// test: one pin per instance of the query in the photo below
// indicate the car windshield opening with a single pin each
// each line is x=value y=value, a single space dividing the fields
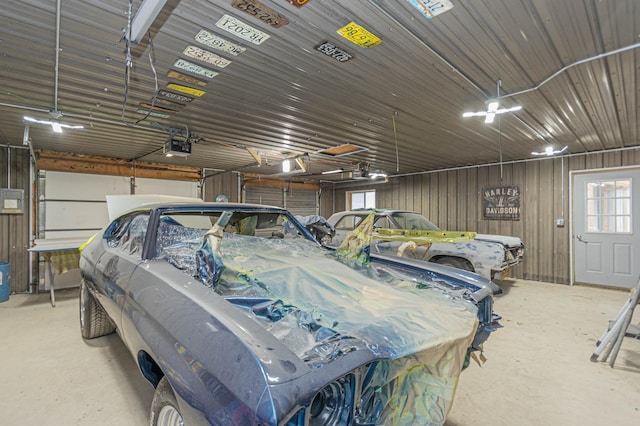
x=406 y=220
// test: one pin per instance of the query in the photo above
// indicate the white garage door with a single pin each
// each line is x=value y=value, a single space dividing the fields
x=74 y=204
x=297 y=201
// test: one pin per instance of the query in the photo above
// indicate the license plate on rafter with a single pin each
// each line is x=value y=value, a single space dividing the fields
x=186 y=89
x=216 y=42
x=206 y=56
x=240 y=29
x=193 y=68
x=261 y=12
x=359 y=35
x=175 y=96
x=431 y=8
x=333 y=51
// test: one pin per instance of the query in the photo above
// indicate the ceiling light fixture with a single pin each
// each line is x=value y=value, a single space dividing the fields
x=493 y=109
x=286 y=166
x=55 y=125
x=549 y=151
x=141 y=22
x=491 y=112
x=331 y=172
x=57 y=128
x=376 y=175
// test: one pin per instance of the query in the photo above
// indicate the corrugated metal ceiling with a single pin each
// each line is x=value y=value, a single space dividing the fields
x=402 y=99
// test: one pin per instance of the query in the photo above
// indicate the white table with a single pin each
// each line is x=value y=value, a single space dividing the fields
x=61 y=255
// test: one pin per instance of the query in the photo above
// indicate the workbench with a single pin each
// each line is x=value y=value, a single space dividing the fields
x=61 y=255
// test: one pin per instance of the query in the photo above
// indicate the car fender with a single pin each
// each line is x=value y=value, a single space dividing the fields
x=505 y=240
x=484 y=256
x=213 y=349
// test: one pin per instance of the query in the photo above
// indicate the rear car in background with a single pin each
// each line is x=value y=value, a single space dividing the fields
x=491 y=256
x=237 y=316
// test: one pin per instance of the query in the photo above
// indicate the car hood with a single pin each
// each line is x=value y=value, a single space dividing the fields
x=502 y=239
x=304 y=288
x=309 y=319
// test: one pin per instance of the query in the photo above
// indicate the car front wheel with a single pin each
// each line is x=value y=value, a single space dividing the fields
x=94 y=321
x=164 y=407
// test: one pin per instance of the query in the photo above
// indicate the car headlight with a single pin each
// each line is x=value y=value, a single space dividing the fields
x=333 y=405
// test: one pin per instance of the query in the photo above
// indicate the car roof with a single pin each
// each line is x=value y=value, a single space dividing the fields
x=176 y=207
x=212 y=205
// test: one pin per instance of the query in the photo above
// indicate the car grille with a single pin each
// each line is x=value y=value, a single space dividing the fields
x=361 y=397
x=485 y=311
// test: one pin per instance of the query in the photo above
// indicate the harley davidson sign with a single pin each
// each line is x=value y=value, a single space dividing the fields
x=501 y=202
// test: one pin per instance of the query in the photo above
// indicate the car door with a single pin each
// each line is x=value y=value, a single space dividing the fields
x=124 y=240
x=344 y=225
x=384 y=247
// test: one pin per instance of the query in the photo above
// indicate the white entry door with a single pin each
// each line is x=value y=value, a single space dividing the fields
x=606 y=227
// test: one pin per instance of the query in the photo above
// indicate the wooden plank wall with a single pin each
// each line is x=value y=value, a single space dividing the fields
x=453 y=200
x=14 y=228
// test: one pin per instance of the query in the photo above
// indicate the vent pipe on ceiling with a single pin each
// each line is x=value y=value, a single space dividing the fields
x=55 y=86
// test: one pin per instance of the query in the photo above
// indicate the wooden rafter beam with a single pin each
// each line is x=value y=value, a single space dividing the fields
x=81 y=163
x=252 y=179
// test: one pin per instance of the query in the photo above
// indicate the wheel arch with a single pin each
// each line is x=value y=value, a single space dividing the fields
x=149 y=368
x=441 y=259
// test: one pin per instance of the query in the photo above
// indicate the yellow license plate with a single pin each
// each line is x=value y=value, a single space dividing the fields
x=359 y=35
x=185 y=89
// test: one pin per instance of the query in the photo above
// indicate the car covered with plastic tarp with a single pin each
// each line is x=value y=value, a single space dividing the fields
x=237 y=316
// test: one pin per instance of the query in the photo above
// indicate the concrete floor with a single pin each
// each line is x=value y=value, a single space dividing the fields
x=537 y=373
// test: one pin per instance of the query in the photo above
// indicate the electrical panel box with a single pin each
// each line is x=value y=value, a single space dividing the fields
x=11 y=201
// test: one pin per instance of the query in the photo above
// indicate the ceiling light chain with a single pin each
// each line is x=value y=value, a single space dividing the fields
x=395 y=136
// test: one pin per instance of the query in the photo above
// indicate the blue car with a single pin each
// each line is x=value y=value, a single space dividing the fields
x=237 y=316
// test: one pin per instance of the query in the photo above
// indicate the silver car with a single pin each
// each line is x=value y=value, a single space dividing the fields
x=491 y=256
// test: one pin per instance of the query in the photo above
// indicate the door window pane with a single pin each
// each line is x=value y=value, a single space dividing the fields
x=609 y=206
x=357 y=200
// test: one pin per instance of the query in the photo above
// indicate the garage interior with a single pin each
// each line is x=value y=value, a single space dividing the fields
x=302 y=116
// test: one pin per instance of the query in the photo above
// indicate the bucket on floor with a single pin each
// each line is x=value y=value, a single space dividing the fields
x=5 y=287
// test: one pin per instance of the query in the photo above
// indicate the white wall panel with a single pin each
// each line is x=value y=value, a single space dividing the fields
x=167 y=187
x=77 y=186
x=75 y=215
x=75 y=203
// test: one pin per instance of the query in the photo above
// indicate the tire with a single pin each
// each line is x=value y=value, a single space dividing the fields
x=164 y=407
x=456 y=263
x=94 y=321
